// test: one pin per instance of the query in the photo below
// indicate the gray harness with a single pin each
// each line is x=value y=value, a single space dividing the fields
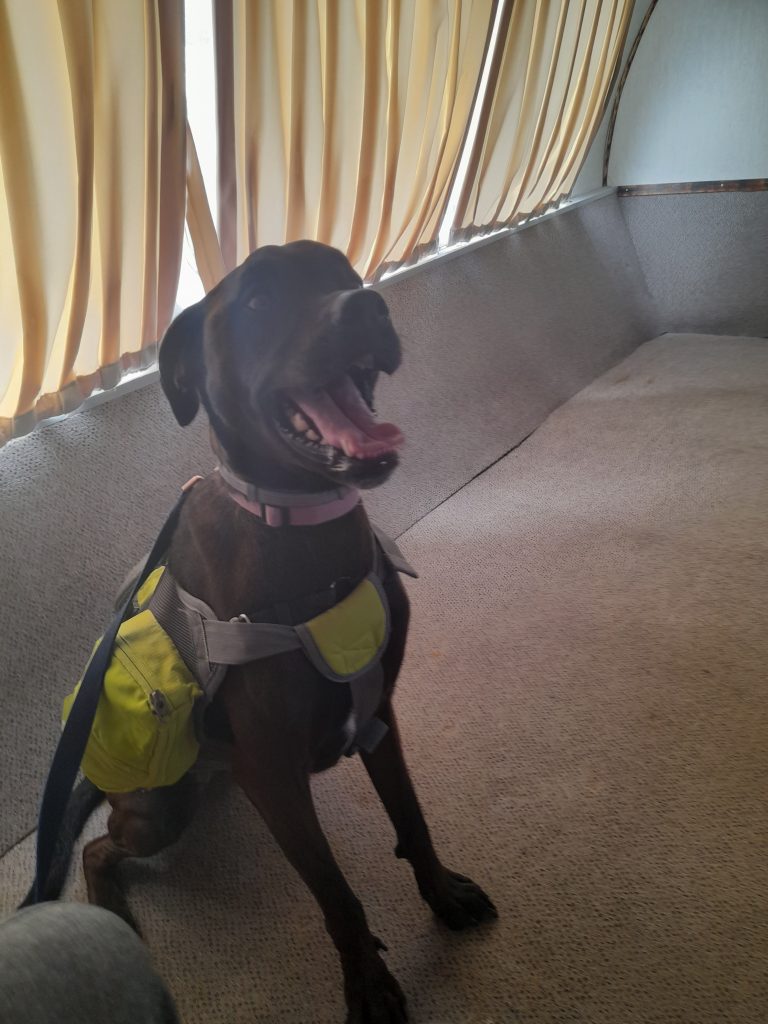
x=209 y=646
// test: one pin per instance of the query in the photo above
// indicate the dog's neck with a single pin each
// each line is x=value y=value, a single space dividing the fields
x=289 y=507
x=274 y=497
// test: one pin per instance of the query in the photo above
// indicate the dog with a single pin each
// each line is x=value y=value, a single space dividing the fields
x=283 y=356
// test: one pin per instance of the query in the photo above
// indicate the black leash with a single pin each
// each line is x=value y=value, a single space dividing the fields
x=74 y=735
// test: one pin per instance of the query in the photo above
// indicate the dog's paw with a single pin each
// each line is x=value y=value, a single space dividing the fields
x=458 y=901
x=373 y=995
x=105 y=891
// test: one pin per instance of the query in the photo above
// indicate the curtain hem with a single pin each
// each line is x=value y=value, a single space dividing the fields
x=466 y=235
x=470 y=232
x=71 y=397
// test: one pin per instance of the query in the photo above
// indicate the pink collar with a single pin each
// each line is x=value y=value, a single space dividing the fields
x=290 y=508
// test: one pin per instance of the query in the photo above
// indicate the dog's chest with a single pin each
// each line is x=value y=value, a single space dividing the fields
x=241 y=567
x=290 y=584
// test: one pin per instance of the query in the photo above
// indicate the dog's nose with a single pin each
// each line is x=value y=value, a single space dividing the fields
x=360 y=308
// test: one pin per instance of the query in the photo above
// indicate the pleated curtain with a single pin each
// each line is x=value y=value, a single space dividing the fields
x=550 y=79
x=343 y=120
x=92 y=195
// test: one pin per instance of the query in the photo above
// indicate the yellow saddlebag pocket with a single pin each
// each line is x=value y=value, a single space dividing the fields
x=143 y=735
x=349 y=638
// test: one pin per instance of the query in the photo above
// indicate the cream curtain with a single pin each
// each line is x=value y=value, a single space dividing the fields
x=548 y=87
x=92 y=195
x=343 y=120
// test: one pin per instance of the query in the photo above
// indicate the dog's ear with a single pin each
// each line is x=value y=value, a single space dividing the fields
x=181 y=362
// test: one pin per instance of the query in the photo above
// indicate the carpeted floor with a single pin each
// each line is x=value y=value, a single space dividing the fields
x=584 y=706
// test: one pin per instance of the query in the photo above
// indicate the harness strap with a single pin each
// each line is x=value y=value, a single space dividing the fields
x=205 y=642
x=366 y=697
x=74 y=736
x=240 y=641
x=392 y=553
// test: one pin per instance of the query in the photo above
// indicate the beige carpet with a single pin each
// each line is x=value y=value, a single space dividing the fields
x=584 y=703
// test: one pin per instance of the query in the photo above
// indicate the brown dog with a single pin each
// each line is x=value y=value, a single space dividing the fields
x=278 y=336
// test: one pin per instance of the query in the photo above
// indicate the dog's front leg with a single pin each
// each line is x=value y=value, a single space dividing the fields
x=455 y=899
x=281 y=793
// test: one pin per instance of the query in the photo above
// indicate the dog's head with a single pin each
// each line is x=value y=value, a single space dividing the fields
x=284 y=354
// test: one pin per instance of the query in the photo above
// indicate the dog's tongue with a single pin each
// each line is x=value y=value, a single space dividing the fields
x=345 y=421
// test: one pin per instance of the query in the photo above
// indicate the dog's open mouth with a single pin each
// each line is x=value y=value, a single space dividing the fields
x=338 y=420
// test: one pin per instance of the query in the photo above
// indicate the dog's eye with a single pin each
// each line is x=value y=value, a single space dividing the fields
x=260 y=302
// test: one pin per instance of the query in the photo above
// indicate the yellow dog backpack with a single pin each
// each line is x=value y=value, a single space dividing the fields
x=171 y=654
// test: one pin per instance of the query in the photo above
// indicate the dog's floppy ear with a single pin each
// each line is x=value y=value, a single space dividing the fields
x=181 y=362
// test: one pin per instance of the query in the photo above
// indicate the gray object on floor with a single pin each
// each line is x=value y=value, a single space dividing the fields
x=583 y=708
x=62 y=962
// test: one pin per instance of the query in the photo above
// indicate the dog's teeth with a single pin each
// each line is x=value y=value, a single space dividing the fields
x=312 y=435
x=299 y=423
